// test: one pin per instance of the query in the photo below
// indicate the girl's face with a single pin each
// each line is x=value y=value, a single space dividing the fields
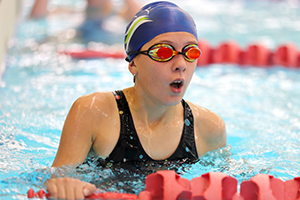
x=164 y=82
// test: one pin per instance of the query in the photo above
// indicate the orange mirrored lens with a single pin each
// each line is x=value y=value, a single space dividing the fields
x=193 y=53
x=164 y=52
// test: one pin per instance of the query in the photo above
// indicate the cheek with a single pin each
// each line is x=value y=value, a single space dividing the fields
x=149 y=70
x=193 y=67
x=150 y=74
x=190 y=72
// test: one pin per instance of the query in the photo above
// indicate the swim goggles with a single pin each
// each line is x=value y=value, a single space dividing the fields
x=165 y=52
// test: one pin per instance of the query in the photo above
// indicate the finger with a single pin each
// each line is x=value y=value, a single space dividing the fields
x=61 y=193
x=70 y=191
x=52 y=188
x=77 y=192
x=73 y=188
x=88 y=189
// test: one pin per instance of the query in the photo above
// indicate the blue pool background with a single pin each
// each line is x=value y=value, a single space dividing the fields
x=260 y=106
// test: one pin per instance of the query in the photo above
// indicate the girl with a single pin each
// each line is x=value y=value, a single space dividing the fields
x=149 y=121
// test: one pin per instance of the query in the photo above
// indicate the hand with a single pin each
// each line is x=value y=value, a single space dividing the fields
x=69 y=188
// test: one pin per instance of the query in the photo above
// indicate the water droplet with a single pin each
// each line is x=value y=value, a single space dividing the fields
x=187 y=122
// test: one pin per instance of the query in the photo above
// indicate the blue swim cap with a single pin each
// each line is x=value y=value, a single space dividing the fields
x=154 y=19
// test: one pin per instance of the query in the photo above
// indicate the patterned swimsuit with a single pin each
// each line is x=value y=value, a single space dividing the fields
x=129 y=147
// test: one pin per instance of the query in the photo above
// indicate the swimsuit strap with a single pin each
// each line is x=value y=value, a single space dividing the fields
x=187 y=146
x=129 y=147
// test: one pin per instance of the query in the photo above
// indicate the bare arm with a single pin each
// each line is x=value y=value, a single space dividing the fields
x=76 y=141
x=76 y=138
x=210 y=130
x=217 y=137
x=131 y=7
x=39 y=9
x=92 y=124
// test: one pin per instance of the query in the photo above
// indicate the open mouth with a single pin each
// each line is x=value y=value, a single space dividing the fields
x=177 y=84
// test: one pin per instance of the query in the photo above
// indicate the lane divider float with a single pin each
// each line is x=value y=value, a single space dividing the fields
x=228 y=52
x=167 y=185
x=286 y=55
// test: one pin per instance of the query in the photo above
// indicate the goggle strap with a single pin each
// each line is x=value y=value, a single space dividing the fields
x=135 y=52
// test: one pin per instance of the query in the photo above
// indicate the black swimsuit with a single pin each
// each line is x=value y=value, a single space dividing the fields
x=129 y=148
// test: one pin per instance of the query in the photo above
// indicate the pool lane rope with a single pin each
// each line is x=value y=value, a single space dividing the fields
x=167 y=185
x=229 y=52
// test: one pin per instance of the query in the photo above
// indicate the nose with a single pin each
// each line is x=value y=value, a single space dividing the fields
x=179 y=63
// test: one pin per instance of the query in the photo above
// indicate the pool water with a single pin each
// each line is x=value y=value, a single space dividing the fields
x=260 y=106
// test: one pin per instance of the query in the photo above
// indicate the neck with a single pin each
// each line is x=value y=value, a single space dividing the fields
x=148 y=110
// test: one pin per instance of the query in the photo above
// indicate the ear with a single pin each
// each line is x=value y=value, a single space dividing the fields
x=132 y=68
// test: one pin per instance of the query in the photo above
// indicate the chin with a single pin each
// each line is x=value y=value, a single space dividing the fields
x=174 y=100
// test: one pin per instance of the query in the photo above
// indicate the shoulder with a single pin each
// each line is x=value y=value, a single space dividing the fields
x=96 y=97
x=87 y=119
x=210 y=129
x=94 y=106
x=207 y=119
x=94 y=100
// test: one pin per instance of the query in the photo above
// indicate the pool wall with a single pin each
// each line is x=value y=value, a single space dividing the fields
x=9 y=10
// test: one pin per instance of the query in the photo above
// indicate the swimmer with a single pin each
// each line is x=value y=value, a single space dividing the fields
x=104 y=20
x=149 y=121
x=95 y=9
